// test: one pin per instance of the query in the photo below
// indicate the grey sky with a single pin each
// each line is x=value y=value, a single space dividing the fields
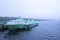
x=47 y=9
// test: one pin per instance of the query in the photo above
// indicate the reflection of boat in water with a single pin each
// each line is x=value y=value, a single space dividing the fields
x=21 y=24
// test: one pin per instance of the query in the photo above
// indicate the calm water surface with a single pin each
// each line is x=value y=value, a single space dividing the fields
x=47 y=30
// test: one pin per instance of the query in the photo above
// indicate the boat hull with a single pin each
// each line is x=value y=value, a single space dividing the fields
x=18 y=26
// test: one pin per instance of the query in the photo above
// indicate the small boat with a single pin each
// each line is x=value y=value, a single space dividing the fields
x=21 y=24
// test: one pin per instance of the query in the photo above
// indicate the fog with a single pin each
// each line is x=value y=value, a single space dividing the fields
x=40 y=9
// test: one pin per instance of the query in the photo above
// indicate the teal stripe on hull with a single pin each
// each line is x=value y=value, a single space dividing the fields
x=15 y=26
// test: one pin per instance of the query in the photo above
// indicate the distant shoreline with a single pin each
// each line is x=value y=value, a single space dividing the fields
x=13 y=18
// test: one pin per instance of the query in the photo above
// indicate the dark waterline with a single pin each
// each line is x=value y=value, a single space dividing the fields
x=47 y=30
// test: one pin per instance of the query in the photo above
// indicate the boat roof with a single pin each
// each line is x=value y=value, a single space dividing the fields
x=20 y=21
